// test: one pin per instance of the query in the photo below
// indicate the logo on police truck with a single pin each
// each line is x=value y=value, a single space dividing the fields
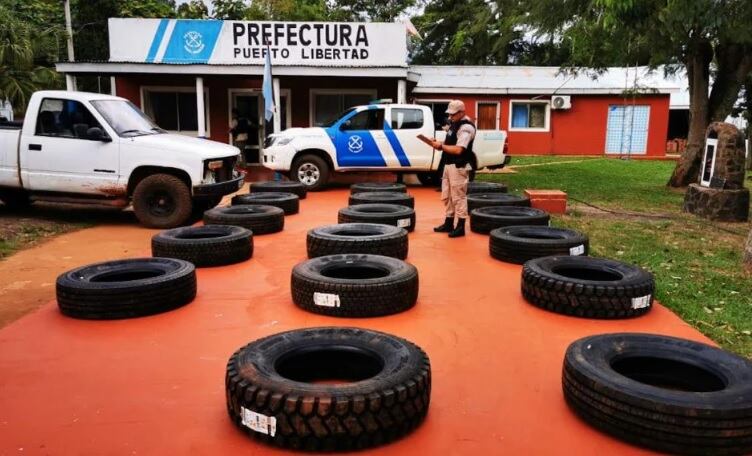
x=355 y=144
x=193 y=42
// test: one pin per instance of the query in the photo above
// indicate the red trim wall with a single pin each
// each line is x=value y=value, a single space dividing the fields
x=580 y=130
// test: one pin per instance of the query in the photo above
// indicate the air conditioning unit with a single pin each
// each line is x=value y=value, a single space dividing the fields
x=561 y=102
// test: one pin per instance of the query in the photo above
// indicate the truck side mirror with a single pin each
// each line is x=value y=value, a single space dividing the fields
x=97 y=134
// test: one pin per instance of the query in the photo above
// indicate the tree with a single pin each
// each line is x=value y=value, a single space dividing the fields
x=230 y=10
x=379 y=11
x=194 y=9
x=709 y=39
x=27 y=53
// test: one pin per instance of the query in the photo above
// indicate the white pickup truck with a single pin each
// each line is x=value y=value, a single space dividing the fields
x=86 y=148
x=375 y=137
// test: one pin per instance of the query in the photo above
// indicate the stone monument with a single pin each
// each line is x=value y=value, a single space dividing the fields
x=720 y=193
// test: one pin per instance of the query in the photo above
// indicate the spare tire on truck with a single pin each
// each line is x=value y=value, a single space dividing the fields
x=378 y=187
x=518 y=244
x=388 y=214
x=371 y=238
x=356 y=285
x=280 y=186
x=288 y=202
x=672 y=395
x=126 y=288
x=206 y=245
x=328 y=389
x=485 y=219
x=588 y=287
x=258 y=218
x=402 y=199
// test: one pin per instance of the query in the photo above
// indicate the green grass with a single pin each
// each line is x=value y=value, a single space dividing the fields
x=538 y=159
x=18 y=233
x=697 y=264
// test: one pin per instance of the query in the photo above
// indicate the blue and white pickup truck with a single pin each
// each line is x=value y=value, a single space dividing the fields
x=375 y=137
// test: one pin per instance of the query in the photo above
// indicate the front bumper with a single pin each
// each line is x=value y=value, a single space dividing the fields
x=278 y=158
x=220 y=188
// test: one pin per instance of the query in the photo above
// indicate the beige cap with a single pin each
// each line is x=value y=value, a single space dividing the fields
x=455 y=106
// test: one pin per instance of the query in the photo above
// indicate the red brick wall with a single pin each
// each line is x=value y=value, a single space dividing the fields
x=580 y=130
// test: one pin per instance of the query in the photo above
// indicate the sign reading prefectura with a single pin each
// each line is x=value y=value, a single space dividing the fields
x=246 y=43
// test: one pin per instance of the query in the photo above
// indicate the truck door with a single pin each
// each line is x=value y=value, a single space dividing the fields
x=359 y=139
x=58 y=156
x=402 y=128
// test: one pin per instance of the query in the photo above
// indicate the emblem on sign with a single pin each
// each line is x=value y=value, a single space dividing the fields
x=193 y=42
x=355 y=144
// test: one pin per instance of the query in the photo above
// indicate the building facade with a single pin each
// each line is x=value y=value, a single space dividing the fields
x=320 y=69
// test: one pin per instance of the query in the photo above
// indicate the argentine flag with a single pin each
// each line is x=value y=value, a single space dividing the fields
x=267 y=89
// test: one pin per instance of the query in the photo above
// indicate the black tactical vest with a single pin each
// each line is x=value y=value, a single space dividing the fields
x=451 y=140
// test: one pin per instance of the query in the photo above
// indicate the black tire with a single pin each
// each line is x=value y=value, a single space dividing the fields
x=288 y=202
x=478 y=200
x=356 y=285
x=518 y=244
x=162 y=201
x=378 y=187
x=668 y=394
x=403 y=199
x=258 y=218
x=429 y=178
x=126 y=288
x=280 y=187
x=15 y=200
x=588 y=287
x=371 y=238
x=272 y=379
x=387 y=214
x=312 y=171
x=207 y=245
x=485 y=187
x=486 y=219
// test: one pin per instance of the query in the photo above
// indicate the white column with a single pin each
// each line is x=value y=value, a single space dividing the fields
x=401 y=91
x=113 y=86
x=200 y=112
x=70 y=82
x=277 y=119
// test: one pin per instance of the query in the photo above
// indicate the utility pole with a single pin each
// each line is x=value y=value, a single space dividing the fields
x=70 y=80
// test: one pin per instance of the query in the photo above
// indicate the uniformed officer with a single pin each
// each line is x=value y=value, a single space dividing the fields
x=457 y=151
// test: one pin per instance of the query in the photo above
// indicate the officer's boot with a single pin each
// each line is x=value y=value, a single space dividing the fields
x=446 y=227
x=459 y=230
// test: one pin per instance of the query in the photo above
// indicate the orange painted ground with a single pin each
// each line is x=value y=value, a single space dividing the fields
x=155 y=385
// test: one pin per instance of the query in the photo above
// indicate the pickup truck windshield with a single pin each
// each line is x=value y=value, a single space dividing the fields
x=336 y=118
x=125 y=118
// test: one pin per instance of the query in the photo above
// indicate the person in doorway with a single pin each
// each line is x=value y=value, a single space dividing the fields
x=457 y=151
x=239 y=129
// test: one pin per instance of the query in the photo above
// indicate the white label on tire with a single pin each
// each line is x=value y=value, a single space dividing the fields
x=403 y=223
x=641 y=303
x=326 y=299
x=579 y=250
x=258 y=422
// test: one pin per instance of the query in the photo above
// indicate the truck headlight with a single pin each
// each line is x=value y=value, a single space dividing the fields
x=283 y=141
x=216 y=164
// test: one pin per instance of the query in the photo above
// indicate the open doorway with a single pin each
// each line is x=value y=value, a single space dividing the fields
x=246 y=132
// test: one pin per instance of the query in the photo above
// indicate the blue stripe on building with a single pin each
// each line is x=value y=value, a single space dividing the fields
x=157 y=40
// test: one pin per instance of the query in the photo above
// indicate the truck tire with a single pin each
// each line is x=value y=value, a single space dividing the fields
x=387 y=214
x=403 y=199
x=258 y=218
x=485 y=187
x=279 y=186
x=485 y=219
x=288 y=202
x=478 y=200
x=281 y=389
x=371 y=238
x=378 y=187
x=207 y=245
x=588 y=287
x=518 y=244
x=672 y=395
x=15 y=200
x=126 y=288
x=354 y=285
x=429 y=178
x=162 y=201
x=311 y=171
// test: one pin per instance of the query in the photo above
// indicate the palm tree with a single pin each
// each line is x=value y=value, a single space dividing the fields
x=26 y=58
